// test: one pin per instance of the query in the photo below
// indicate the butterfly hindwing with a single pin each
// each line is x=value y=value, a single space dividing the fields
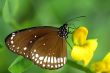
x=49 y=51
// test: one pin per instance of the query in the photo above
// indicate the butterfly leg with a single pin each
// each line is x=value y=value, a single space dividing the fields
x=69 y=32
x=69 y=44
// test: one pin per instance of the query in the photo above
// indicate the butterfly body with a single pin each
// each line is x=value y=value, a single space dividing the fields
x=45 y=46
x=63 y=31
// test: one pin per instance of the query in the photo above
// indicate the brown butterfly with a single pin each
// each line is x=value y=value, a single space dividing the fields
x=45 y=45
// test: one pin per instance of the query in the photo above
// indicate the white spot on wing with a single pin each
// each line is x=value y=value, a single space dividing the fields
x=33 y=57
x=20 y=52
x=24 y=53
x=37 y=55
x=13 y=34
x=48 y=59
x=17 y=47
x=25 y=48
x=43 y=65
x=45 y=59
x=64 y=60
x=12 y=38
x=14 y=50
x=40 y=62
x=61 y=64
x=35 y=36
x=51 y=66
x=48 y=65
x=58 y=59
x=11 y=42
x=30 y=41
x=32 y=54
x=27 y=56
x=13 y=46
x=37 y=61
x=41 y=58
x=55 y=61
x=44 y=44
x=52 y=59
x=34 y=50
x=61 y=59
x=58 y=65
x=55 y=66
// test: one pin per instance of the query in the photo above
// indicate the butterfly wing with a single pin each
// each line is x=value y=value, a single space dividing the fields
x=40 y=44
x=49 y=51
x=21 y=41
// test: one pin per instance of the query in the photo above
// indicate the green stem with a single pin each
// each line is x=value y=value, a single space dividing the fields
x=75 y=65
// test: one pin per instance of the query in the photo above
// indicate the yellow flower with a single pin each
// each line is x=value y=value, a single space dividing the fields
x=80 y=35
x=103 y=66
x=83 y=49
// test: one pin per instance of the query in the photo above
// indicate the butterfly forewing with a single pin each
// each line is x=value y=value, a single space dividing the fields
x=40 y=44
x=21 y=41
x=48 y=51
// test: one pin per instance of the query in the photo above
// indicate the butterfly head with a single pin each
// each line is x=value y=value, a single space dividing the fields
x=63 y=31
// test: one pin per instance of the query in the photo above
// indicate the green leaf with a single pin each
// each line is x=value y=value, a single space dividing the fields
x=78 y=66
x=19 y=65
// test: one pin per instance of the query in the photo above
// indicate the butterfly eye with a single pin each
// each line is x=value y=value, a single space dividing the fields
x=44 y=46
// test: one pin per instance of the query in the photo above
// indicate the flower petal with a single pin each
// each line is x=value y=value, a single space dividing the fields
x=77 y=53
x=88 y=58
x=91 y=44
x=99 y=66
x=82 y=54
x=104 y=65
x=80 y=35
x=107 y=58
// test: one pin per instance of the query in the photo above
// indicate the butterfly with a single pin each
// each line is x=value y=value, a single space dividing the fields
x=44 y=45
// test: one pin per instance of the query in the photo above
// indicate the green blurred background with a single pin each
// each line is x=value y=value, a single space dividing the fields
x=19 y=14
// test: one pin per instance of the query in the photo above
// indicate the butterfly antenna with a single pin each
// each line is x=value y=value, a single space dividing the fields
x=73 y=19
